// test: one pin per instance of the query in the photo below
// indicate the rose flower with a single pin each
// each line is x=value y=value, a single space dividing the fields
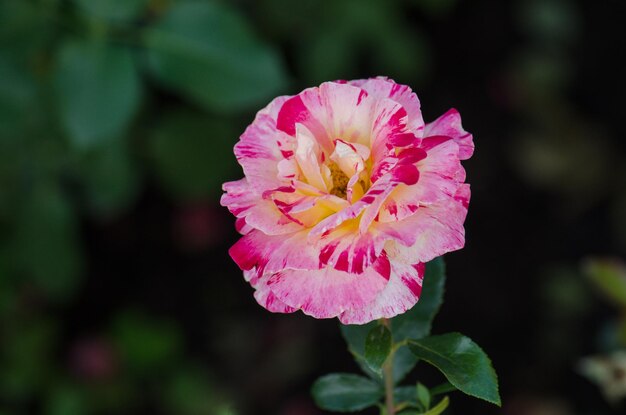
x=346 y=195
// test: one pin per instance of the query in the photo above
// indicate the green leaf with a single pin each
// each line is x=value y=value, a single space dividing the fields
x=109 y=177
x=405 y=394
x=377 y=347
x=189 y=391
x=463 y=363
x=98 y=90
x=439 y=408
x=344 y=392
x=208 y=53
x=355 y=336
x=112 y=9
x=26 y=28
x=193 y=154
x=66 y=400
x=609 y=276
x=18 y=92
x=146 y=345
x=415 y=323
x=423 y=395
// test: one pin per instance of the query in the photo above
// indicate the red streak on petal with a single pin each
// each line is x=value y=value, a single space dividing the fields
x=293 y=111
x=383 y=266
x=407 y=174
x=412 y=285
x=362 y=95
x=433 y=141
x=327 y=252
x=342 y=262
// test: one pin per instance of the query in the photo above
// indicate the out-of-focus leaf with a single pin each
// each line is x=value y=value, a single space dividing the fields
x=331 y=54
x=565 y=294
x=401 y=54
x=109 y=177
x=66 y=400
x=423 y=395
x=208 y=53
x=282 y=17
x=17 y=93
x=146 y=345
x=192 y=154
x=609 y=276
x=377 y=347
x=551 y=22
x=47 y=249
x=26 y=27
x=190 y=393
x=463 y=363
x=113 y=9
x=98 y=90
x=541 y=75
x=345 y=392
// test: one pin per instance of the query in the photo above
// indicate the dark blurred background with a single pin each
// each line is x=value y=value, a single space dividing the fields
x=117 y=121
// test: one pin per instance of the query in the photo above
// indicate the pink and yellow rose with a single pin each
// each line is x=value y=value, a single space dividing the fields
x=347 y=194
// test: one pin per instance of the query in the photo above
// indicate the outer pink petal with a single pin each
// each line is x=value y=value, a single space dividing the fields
x=431 y=231
x=273 y=253
x=266 y=298
x=239 y=198
x=449 y=124
x=327 y=292
x=382 y=87
x=399 y=295
x=262 y=146
x=246 y=203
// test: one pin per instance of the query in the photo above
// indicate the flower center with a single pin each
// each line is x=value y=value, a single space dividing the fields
x=340 y=180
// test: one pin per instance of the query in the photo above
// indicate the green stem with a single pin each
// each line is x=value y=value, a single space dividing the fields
x=388 y=375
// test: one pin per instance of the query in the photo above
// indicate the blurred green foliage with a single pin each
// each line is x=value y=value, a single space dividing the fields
x=102 y=101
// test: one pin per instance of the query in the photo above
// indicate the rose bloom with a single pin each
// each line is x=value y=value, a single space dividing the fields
x=346 y=195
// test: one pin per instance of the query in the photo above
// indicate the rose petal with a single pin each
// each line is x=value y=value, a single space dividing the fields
x=398 y=296
x=328 y=292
